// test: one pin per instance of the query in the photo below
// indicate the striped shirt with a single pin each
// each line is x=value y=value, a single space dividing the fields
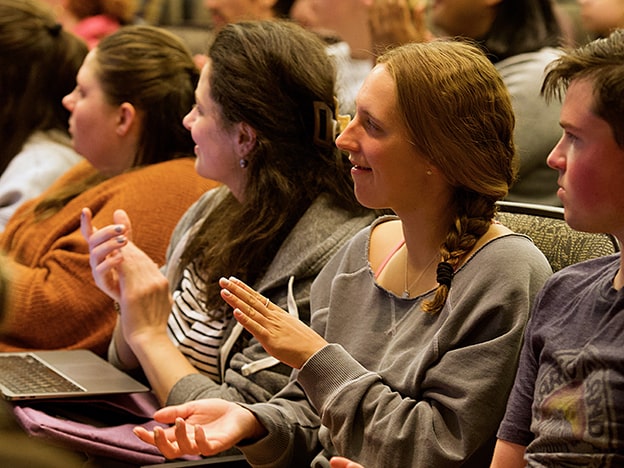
x=196 y=335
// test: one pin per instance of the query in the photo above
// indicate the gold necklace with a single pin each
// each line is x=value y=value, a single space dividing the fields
x=406 y=288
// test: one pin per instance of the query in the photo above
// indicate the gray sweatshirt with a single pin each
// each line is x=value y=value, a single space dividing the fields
x=397 y=387
x=249 y=374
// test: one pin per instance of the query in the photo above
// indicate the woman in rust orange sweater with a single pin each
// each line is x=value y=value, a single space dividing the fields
x=126 y=120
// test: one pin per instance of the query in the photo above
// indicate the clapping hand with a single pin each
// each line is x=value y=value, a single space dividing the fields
x=128 y=275
x=283 y=336
x=105 y=246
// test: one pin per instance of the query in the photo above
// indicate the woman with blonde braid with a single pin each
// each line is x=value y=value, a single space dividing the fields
x=417 y=322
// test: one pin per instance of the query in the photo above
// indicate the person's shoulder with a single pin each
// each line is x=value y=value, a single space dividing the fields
x=386 y=229
x=527 y=69
x=511 y=253
x=339 y=50
x=363 y=235
x=386 y=232
x=580 y=281
x=536 y=58
x=588 y=270
x=174 y=176
x=78 y=171
x=520 y=243
x=178 y=164
x=205 y=204
x=42 y=153
x=168 y=172
x=326 y=224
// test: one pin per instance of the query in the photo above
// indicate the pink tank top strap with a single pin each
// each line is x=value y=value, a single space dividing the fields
x=387 y=259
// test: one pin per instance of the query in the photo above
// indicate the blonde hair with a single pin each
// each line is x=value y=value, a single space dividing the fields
x=458 y=114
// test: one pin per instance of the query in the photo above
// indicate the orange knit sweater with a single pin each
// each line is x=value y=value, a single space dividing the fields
x=54 y=300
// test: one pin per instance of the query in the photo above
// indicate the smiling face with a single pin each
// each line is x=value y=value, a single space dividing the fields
x=388 y=172
x=218 y=149
x=590 y=165
x=94 y=123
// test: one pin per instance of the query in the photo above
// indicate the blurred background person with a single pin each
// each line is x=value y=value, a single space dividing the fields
x=344 y=26
x=94 y=19
x=224 y=12
x=601 y=17
x=38 y=65
x=569 y=13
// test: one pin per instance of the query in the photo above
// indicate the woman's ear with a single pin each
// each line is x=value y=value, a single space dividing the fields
x=126 y=117
x=246 y=139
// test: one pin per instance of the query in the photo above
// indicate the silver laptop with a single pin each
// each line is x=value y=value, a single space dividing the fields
x=61 y=374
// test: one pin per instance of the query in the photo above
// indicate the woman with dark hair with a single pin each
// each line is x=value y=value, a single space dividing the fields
x=126 y=120
x=417 y=322
x=521 y=38
x=38 y=65
x=264 y=126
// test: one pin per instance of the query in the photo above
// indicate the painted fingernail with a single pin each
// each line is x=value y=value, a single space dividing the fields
x=121 y=239
x=118 y=228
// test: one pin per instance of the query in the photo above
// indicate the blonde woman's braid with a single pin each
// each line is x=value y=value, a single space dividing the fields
x=463 y=235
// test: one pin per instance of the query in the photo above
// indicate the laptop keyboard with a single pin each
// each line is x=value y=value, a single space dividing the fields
x=26 y=374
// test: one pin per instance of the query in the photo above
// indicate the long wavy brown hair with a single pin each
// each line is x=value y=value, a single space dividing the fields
x=268 y=74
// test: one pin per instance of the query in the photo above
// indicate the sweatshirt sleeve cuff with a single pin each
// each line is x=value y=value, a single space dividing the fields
x=327 y=372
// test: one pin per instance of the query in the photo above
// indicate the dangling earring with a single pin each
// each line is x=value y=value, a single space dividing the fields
x=243 y=163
